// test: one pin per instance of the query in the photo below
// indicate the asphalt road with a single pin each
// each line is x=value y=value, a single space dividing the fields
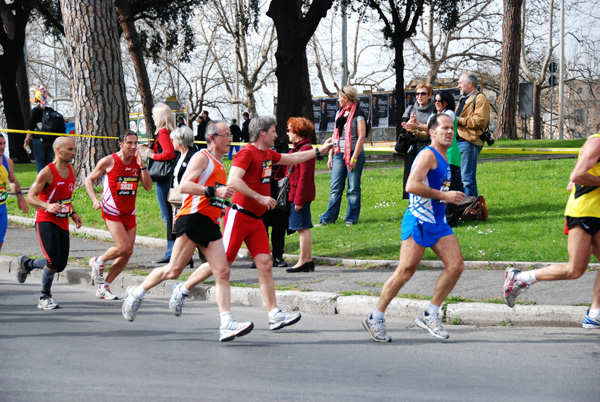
x=86 y=351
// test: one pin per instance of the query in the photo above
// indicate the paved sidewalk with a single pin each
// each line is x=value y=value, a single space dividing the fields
x=553 y=303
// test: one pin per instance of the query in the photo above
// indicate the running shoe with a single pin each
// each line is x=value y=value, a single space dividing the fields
x=22 y=270
x=512 y=286
x=591 y=323
x=131 y=304
x=178 y=299
x=283 y=319
x=235 y=329
x=46 y=303
x=376 y=328
x=97 y=270
x=433 y=324
x=105 y=293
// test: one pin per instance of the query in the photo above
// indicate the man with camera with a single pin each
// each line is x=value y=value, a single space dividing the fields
x=472 y=117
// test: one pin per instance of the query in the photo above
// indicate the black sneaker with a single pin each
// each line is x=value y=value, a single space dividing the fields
x=279 y=262
x=22 y=270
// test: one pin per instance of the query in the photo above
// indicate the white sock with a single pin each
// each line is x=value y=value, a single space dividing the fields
x=432 y=310
x=274 y=312
x=184 y=291
x=104 y=285
x=527 y=277
x=225 y=317
x=139 y=292
x=377 y=315
x=594 y=313
x=99 y=261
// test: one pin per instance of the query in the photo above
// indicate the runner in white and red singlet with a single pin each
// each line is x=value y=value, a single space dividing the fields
x=121 y=172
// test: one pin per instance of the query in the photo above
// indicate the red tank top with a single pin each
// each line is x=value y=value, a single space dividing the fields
x=120 y=187
x=214 y=175
x=59 y=192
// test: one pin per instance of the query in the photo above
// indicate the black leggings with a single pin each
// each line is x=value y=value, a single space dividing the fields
x=55 y=245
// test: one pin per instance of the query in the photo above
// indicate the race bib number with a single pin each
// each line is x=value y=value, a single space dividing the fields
x=66 y=208
x=127 y=185
x=266 y=172
x=3 y=192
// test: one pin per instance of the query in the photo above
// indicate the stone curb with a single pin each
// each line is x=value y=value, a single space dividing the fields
x=324 y=303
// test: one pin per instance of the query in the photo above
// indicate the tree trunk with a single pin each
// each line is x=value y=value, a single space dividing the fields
x=98 y=89
x=399 y=68
x=126 y=20
x=293 y=34
x=537 y=110
x=12 y=39
x=509 y=75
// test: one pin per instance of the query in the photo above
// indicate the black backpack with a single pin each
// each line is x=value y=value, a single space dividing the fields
x=52 y=122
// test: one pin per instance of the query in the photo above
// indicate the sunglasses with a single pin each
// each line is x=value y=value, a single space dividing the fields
x=421 y=94
x=438 y=100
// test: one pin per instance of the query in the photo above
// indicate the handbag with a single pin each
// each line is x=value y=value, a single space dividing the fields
x=175 y=198
x=405 y=140
x=283 y=192
x=160 y=170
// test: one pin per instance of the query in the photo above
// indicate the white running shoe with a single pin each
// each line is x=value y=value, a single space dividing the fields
x=283 y=319
x=131 y=304
x=105 y=293
x=46 y=303
x=512 y=286
x=178 y=299
x=234 y=329
x=97 y=270
x=433 y=324
x=376 y=328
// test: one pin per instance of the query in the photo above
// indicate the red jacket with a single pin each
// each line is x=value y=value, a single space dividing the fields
x=302 y=179
x=164 y=139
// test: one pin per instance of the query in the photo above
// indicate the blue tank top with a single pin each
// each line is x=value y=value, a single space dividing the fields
x=427 y=209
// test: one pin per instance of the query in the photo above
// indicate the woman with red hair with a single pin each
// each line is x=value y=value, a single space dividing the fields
x=302 y=192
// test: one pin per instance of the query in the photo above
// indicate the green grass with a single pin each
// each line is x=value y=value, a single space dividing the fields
x=525 y=199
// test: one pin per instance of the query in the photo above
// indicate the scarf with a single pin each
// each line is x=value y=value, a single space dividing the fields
x=348 y=132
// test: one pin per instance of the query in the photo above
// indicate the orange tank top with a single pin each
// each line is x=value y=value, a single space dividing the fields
x=214 y=175
x=61 y=192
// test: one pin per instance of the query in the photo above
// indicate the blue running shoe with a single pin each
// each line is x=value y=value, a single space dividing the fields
x=590 y=323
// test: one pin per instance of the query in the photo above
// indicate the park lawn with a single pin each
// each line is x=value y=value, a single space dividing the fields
x=525 y=199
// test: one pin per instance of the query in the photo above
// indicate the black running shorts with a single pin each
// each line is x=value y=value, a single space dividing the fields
x=199 y=228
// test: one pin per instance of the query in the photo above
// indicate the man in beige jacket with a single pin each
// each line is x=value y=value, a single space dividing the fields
x=472 y=116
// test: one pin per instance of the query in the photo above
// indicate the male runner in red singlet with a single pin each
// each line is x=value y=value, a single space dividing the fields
x=197 y=224
x=120 y=174
x=51 y=194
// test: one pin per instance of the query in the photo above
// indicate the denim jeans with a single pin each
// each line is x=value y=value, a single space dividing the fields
x=339 y=173
x=43 y=153
x=166 y=212
x=469 y=154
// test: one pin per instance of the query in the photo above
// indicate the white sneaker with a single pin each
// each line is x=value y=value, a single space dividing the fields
x=234 y=329
x=131 y=304
x=105 y=293
x=433 y=324
x=177 y=300
x=283 y=319
x=97 y=270
x=46 y=303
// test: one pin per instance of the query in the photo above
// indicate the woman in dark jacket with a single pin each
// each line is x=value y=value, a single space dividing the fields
x=302 y=192
x=162 y=150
